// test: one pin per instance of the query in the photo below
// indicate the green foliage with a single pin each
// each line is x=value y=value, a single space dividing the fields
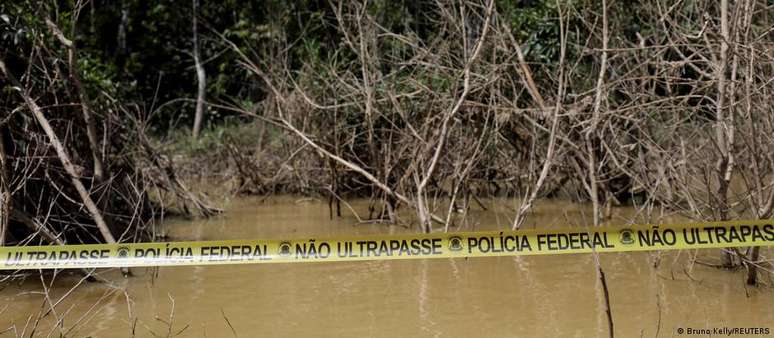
x=213 y=140
x=100 y=76
x=535 y=25
x=141 y=52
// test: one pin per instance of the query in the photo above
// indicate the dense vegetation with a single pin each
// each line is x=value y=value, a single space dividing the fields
x=405 y=102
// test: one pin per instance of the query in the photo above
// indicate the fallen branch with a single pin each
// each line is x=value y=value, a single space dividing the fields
x=63 y=157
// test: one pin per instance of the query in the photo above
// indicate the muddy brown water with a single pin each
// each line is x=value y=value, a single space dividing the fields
x=537 y=296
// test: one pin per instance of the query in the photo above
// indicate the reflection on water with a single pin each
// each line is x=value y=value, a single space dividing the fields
x=542 y=296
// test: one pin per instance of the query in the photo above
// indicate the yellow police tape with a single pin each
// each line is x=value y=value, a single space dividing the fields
x=407 y=246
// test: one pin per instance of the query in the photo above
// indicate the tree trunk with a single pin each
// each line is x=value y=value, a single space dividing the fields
x=752 y=272
x=201 y=78
x=5 y=195
x=724 y=128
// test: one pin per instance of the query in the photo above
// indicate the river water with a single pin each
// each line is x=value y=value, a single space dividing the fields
x=652 y=294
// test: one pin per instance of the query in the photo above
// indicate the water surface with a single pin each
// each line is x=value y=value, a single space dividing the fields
x=537 y=296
